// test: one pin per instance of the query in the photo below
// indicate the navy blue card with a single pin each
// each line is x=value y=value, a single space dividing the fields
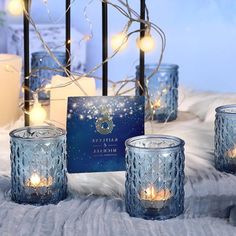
x=97 y=128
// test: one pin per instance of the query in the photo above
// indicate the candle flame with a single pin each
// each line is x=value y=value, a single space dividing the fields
x=152 y=194
x=232 y=152
x=37 y=181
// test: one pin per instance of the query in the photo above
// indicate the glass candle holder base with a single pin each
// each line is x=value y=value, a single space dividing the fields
x=229 y=167
x=165 y=117
x=160 y=211
x=40 y=197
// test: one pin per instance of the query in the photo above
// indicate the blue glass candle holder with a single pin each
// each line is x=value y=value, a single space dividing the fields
x=43 y=68
x=162 y=88
x=38 y=165
x=225 y=138
x=154 y=187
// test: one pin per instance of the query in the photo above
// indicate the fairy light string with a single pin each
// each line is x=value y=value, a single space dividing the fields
x=124 y=8
x=96 y=67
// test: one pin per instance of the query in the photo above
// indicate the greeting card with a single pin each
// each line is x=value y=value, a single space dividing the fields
x=97 y=128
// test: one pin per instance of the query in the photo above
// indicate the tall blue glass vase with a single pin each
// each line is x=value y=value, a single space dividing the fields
x=225 y=138
x=162 y=91
x=43 y=68
x=154 y=187
x=38 y=165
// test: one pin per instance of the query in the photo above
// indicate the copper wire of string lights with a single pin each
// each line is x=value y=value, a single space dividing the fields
x=124 y=8
x=126 y=28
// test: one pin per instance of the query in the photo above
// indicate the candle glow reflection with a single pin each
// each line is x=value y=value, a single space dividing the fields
x=232 y=152
x=36 y=181
x=152 y=194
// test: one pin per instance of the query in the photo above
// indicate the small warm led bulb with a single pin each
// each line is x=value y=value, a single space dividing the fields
x=146 y=44
x=87 y=37
x=15 y=7
x=37 y=114
x=119 y=41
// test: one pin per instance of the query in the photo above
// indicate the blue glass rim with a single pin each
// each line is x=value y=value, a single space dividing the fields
x=163 y=67
x=14 y=134
x=179 y=142
x=46 y=54
x=226 y=109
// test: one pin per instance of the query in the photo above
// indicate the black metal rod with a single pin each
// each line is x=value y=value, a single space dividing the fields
x=141 y=53
x=104 y=48
x=26 y=63
x=68 y=34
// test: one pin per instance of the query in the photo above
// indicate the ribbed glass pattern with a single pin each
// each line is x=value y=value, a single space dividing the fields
x=38 y=165
x=155 y=177
x=43 y=68
x=225 y=138
x=162 y=91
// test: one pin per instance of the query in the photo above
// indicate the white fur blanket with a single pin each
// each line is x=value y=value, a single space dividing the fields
x=95 y=205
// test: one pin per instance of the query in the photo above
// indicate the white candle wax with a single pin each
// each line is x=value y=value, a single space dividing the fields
x=10 y=71
x=58 y=96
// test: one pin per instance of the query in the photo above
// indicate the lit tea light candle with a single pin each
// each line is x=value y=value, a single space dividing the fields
x=36 y=181
x=152 y=194
x=151 y=191
x=232 y=152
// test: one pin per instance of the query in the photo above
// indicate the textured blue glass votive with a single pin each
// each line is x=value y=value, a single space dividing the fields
x=38 y=165
x=225 y=138
x=154 y=187
x=162 y=91
x=43 y=68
